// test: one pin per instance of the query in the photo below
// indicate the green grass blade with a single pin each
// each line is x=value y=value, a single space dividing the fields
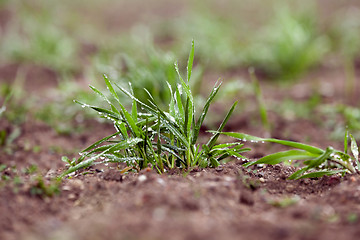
x=346 y=141
x=123 y=130
x=214 y=162
x=145 y=106
x=158 y=145
x=179 y=107
x=188 y=119
x=217 y=133
x=204 y=112
x=113 y=108
x=102 y=111
x=355 y=151
x=172 y=110
x=319 y=174
x=173 y=128
x=170 y=150
x=298 y=173
x=82 y=164
x=110 y=87
x=134 y=113
x=122 y=145
x=260 y=100
x=127 y=143
x=227 y=145
x=113 y=159
x=190 y=61
x=246 y=137
x=99 y=142
x=279 y=157
x=322 y=158
x=185 y=85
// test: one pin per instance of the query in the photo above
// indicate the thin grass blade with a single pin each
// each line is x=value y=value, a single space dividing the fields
x=217 y=133
x=110 y=87
x=279 y=157
x=246 y=137
x=190 y=61
x=99 y=142
x=204 y=112
x=298 y=173
x=346 y=141
x=319 y=174
x=355 y=151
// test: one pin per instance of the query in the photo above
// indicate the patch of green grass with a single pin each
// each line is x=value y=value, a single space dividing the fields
x=259 y=97
x=287 y=41
x=345 y=36
x=316 y=162
x=341 y=117
x=220 y=45
x=149 y=135
x=33 y=36
x=14 y=109
x=136 y=60
x=60 y=113
x=43 y=189
x=284 y=202
x=288 y=46
x=38 y=186
x=291 y=109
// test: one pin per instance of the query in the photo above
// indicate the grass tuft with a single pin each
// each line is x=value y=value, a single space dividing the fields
x=316 y=162
x=147 y=135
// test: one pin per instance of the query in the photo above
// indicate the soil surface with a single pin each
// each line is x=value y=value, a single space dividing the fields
x=227 y=202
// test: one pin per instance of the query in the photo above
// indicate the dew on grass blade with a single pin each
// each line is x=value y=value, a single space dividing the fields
x=180 y=89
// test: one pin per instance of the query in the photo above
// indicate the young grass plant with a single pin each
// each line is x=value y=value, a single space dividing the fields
x=143 y=65
x=260 y=100
x=289 y=45
x=316 y=162
x=163 y=139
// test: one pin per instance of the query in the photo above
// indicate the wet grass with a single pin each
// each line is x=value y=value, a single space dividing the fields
x=288 y=43
x=149 y=136
x=316 y=162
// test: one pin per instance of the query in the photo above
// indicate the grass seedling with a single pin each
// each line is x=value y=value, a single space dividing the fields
x=260 y=100
x=42 y=189
x=288 y=46
x=149 y=135
x=345 y=35
x=316 y=162
x=143 y=65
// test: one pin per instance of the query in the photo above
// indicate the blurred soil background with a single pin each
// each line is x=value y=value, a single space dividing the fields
x=306 y=55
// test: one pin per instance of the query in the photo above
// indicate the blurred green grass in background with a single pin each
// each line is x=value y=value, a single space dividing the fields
x=135 y=42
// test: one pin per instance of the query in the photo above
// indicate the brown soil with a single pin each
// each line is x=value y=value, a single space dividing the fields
x=228 y=202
